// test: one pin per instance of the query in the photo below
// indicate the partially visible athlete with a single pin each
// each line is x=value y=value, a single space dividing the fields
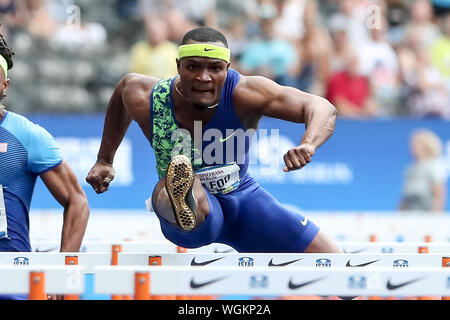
x=206 y=195
x=28 y=151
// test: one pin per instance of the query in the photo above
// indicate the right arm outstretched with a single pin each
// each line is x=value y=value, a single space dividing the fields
x=130 y=101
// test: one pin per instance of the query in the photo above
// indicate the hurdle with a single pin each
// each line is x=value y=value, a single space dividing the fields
x=393 y=247
x=39 y=280
x=130 y=246
x=279 y=260
x=164 y=246
x=88 y=260
x=262 y=281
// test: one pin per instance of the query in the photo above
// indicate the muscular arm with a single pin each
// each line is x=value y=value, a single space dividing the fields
x=258 y=96
x=130 y=101
x=64 y=186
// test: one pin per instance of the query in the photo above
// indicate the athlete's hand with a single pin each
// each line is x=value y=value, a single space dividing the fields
x=298 y=157
x=101 y=176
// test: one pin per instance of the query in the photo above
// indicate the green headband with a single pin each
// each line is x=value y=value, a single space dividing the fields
x=204 y=50
x=4 y=66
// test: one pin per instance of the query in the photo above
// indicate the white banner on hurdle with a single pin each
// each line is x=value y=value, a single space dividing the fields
x=164 y=246
x=394 y=247
x=130 y=246
x=86 y=259
x=58 y=279
x=273 y=281
x=283 y=260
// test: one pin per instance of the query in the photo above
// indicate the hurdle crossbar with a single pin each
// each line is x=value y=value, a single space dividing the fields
x=275 y=281
x=323 y=260
x=58 y=279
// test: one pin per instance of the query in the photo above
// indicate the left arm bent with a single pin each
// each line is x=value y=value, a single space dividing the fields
x=259 y=96
x=64 y=186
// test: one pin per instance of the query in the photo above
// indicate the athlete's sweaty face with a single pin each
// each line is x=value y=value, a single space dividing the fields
x=202 y=79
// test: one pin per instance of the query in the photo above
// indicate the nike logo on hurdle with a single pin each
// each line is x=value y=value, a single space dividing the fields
x=195 y=285
x=391 y=286
x=360 y=265
x=226 y=251
x=47 y=250
x=194 y=263
x=355 y=251
x=293 y=286
x=271 y=264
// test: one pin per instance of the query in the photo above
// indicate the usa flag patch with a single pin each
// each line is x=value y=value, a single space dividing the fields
x=3 y=147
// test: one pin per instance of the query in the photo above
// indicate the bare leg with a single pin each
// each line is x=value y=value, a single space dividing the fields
x=164 y=206
x=321 y=243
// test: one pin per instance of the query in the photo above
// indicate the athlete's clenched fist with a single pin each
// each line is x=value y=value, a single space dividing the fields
x=298 y=157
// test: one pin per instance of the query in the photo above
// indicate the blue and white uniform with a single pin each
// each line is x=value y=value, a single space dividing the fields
x=26 y=151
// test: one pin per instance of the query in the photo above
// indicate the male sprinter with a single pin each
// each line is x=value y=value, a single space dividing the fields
x=211 y=197
x=26 y=152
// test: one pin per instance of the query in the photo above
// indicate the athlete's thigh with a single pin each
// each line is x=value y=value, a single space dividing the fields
x=264 y=225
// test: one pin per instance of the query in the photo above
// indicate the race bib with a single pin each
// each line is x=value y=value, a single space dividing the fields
x=220 y=179
x=3 y=221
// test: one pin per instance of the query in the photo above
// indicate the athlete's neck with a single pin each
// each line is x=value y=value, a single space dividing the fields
x=2 y=111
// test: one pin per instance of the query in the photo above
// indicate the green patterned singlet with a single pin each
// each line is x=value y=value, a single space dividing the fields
x=168 y=140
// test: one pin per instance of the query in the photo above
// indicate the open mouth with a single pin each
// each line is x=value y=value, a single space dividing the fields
x=203 y=91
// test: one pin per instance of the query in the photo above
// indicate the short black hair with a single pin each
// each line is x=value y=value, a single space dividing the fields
x=205 y=34
x=6 y=52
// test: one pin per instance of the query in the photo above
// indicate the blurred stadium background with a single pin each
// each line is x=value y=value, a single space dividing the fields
x=384 y=64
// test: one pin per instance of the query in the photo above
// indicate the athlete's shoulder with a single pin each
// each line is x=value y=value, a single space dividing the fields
x=255 y=90
x=30 y=134
x=20 y=125
x=139 y=80
x=136 y=82
x=135 y=88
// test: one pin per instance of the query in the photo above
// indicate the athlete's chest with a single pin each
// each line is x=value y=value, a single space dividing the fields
x=13 y=159
x=194 y=120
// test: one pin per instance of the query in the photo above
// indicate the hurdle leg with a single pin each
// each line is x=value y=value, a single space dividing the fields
x=115 y=249
x=142 y=286
x=71 y=261
x=157 y=261
x=445 y=264
x=37 y=286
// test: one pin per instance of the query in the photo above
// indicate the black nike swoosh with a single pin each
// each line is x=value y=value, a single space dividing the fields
x=391 y=286
x=206 y=49
x=226 y=251
x=293 y=286
x=195 y=285
x=360 y=265
x=356 y=251
x=271 y=264
x=47 y=250
x=194 y=263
